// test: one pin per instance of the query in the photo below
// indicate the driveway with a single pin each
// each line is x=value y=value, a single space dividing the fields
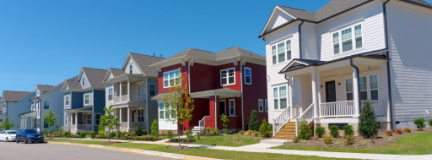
x=47 y=151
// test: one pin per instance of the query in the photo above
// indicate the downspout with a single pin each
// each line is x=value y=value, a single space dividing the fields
x=215 y=110
x=388 y=66
x=147 y=105
x=40 y=113
x=358 y=81
x=300 y=39
x=241 y=92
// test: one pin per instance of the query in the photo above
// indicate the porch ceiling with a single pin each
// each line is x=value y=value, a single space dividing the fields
x=222 y=93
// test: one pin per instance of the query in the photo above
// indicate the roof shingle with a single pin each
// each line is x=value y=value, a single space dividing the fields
x=143 y=61
x=13 y=96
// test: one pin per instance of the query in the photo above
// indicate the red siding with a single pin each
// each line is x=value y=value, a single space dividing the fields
x=210 y=121
x=201 y=110
x=183 y=73
x=237 y=85
x=235 y=122
x=257 y=90
x=203 y=77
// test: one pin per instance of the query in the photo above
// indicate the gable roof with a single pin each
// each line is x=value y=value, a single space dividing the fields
x=73 y=85
x=14 y=96
x=1 y=104
x=115 y=72
x=225 y=54
x=331 y=9
x=44 y=88
x=95 y=76
x=143 y=62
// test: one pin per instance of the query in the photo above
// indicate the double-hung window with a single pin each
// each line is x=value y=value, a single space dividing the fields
x=280 y=97
x=260 y=105
x=46 y=104
x=86 y=99
x=351 y=38
x=248 y=75
x=363 y=88
x=227 y=76
x=281 y=52
x=349 y=89
x=231 y=107
x=164 y=111
x=171 y=78
x=110 y=94
x=373 y=80
x=365 y=92
x=67 y=100
x=152 y=90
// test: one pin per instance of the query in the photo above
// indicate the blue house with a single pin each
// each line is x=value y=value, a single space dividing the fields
x=14 y=103
x=84 y=100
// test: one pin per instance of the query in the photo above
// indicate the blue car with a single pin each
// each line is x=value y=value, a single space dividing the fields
x=28 y=135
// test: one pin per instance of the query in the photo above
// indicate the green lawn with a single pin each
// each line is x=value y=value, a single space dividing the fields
x=200 y=151
x=233 y=140
x=408 y=145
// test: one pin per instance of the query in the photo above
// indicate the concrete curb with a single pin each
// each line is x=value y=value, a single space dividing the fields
x=138 y=151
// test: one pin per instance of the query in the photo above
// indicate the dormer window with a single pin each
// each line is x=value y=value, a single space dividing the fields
x=351 y=38
x=83 y=80
x=130 y=69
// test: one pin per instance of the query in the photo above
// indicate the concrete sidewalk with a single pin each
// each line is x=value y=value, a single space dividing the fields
x=264 y=148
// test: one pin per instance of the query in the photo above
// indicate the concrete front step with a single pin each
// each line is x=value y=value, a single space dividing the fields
x=274 y=141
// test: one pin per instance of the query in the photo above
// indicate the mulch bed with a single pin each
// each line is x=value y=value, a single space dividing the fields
x=361 y=142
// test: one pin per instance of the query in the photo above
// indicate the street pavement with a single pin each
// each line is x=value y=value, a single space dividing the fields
x=47 y=151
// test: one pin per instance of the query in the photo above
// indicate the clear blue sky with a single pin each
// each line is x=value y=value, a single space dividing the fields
x=47 y=41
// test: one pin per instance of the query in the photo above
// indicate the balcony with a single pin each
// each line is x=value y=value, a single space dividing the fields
x=128 y=91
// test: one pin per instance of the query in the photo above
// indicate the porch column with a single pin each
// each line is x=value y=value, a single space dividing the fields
x=314 y=94
x=128 y=118
x=76 y=121
x=128 y=90
x=355 y=93
x=318 y=90
x=121 y=93
x=290 y=96
x=121 y=117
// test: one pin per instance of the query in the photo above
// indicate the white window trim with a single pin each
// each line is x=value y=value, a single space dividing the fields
x=260 y=105
x=277 y=53
x=266 y=105
x=368 y=89
x=112 y=94
x=227 y=69
x=67 y=96
x=229 y=104
x=245 y=75
x=279 y=97
x=224 y=101
x=353 y=39
x=169 y=78
x=87 y=94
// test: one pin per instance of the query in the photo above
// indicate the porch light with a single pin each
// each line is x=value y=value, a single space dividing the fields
x=339 y=84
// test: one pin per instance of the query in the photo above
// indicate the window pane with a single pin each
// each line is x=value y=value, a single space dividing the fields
x=171 y=75
x=335 y=38
x=231 y=80
x=358 y=30
x=231 y=72
x=224 y=74
x=374 y=94
x=349 y=96
x=283 y=103
x=276 y=104
x=161 y=106
x=336 y=48
x=274 y=54
x=335 y=43
x=346 y=34
x=363 y=85
x=363 y=95
x=373 y=81
x=282 y=92
x=166 y=83
x=177 y=73
x=359 y=42
x=348 y=84
x=248 y=79
x=289 y=54
x=346 y=40
x=288 y=45
x=165 y=76
x=167 y=114
x=161 y=114
x=281 y=52
x=247 y=72
x=224 y=81
x=347 y=45
x=275 y=93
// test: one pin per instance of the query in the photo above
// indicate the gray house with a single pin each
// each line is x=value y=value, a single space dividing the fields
x=47 y=98
x=130 y=89
x=15 y=103
x=84 y=100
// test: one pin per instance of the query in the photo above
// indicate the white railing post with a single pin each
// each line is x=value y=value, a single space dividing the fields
x=296 y=127
x=274 y=127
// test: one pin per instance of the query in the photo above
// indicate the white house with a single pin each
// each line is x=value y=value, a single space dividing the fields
x=322 y=65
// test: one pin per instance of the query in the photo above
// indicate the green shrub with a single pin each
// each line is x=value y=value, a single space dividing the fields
x=241 y=132
x=170 y=135
x=45 y=132
x=249 y=133
x=208 y=130
x=420 y=123
x=147 y=138
x=189 y=135
x=214 y=131
x=304 y=131
x=348 y=131
x=320 y=131
x=118 y=134
x=253 y=121
x=256 y=133
x=296 y=139
x=138 y=130
x=368 y=125
x=155 y=130
x=407 y=130
x=349 y=140
x=67 y=134
x=265 y=129
x=430 y=122
x=334 y=131
x=328 y=140
x=82 y=135
x=225 y=121
x=111 y=135
x=92 y=134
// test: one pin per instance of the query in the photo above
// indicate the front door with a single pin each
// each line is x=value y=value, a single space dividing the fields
x=222 y=107
x=330 y=91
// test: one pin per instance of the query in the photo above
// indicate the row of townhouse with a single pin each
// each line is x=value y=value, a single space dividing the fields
x=323 y=65
x=229 y=82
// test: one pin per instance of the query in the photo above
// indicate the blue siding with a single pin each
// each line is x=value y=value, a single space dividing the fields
x=76 y=100
x=56 y=103
x=16 y=108
x=99 y=104
x=152 y=107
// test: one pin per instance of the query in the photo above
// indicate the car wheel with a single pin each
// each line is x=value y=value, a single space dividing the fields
x=16 y=140
x=7 y=139
x=25 y=140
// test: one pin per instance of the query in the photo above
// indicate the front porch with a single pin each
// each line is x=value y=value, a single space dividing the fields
x=29 y=121
x=79 y=120
x=131 y=117
x=334 y=93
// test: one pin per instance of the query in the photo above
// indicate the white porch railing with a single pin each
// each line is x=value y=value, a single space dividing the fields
x=307 y=115
x=86 y=127
x=281 y=120
x=116 y=98
x=137 y=98
x=378 y=105
x=297 y=110
x=201 y=124
x=123 y=125
x=336 y=109
x=135 y=124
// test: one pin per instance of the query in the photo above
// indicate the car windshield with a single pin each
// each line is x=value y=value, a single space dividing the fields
x=13 y=132
x=30 y=131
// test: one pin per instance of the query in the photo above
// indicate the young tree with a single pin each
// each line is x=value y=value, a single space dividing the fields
x=109 y=120
x=7 y=124
x=253 y=121
x=178 y=103
x=155 y=130
x=51 y=119
x=368 y=126
x=225 y=121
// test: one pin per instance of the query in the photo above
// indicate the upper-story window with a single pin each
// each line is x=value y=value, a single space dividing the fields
x=46 y=104
x=130 y=69
x=350 y=40
x=281 y=52
x=152 y=90
x=227 y=76
x=83 y=80
x=86 y=99
x=171 y=78
x=110 y=93
x=248 y=75
x=67 y=100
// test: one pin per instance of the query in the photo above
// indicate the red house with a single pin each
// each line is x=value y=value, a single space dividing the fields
x=230 y=82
